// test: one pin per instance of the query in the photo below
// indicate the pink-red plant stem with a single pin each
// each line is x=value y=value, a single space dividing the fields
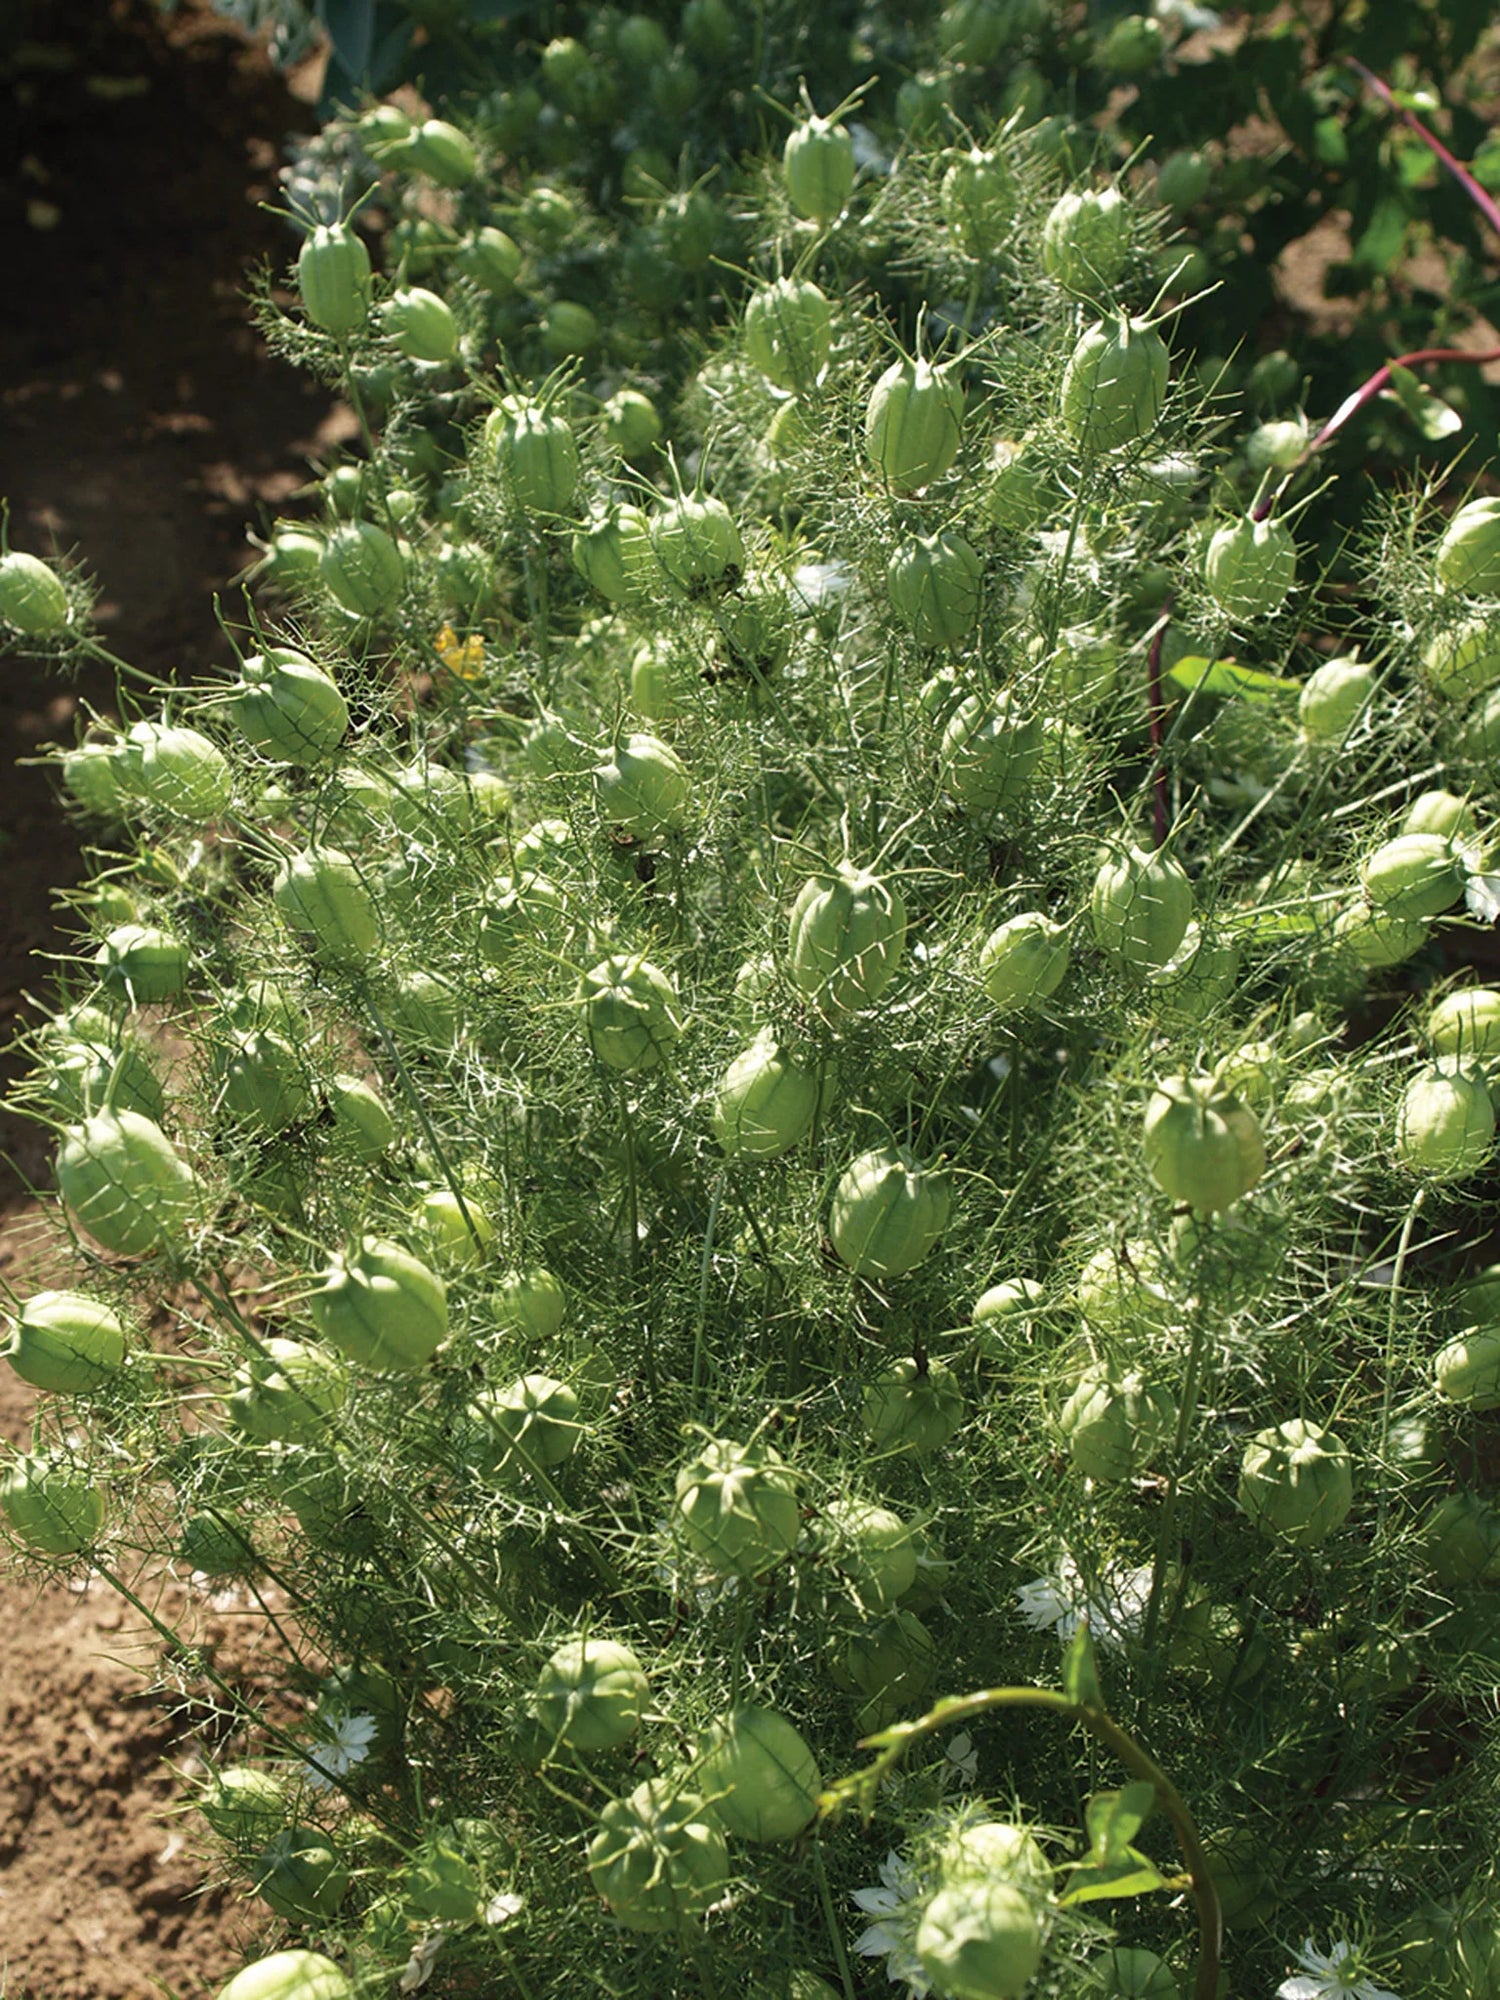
x=1481 y=199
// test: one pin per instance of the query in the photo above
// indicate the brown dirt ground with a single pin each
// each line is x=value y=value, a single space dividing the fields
x=141 y=424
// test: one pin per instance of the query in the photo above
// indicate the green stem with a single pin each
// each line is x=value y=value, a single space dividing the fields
x=830 y=1919
x=893 y=1743
x=705 y=1266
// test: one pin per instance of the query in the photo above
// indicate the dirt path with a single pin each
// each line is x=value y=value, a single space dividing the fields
x=139 y=423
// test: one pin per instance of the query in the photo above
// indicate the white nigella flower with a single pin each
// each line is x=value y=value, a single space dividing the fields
x=821 y=583
x=1114 y=1609
x=1329 y=1978
x=1192 y=19
x=868 y=151
x=961 y=1759
x=344 y=1741
x=897 y=1907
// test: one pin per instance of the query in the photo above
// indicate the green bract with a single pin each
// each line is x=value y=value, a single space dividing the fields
x=1203 y=1146
x=979 y=1940
x=65 y=1342
x=333 y=276
x=124 y=1182
x=1141 y=906
x=737 y=1508
x=658 y=1858
x=1115 y=384
x=765 y=1103
x=592 y=1693
x=33 y=598
x=757 y=1774
x=631 y=1013
x=1295 y=1482
x=887 y=1212
x=914 y=424
x=382 y=1307
x=846 y=936
x=1251 y=567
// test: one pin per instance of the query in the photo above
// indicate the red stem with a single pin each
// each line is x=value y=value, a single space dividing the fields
x=1366 y=392
x=1481 y=200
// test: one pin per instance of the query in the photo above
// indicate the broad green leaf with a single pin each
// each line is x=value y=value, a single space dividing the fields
x=1228 y=677
x=1080 y=1671
x=1432 y=416
x=1384 y=236
x=1134 y=1876
x=1115 y=1818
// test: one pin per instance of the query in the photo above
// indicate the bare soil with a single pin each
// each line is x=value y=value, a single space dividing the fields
x=142 y=425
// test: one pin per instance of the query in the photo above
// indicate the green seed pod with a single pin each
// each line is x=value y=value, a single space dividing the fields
x=289 y=709
x=1333 y=698
x=261 y=1081
x=1141 y=907
x=979 y=198
x=1203 y=1146
x=997 y=1850
x=737 y=1509
x=873 y=1548
x=1295 y=1482
x=537 y=455
x=914 y=424
x=989 y=754
x=1250 y=568
x=420 y=324
x=333 y=276
x=1129 y=1972
x=979 y=1940
x=179 y=772
x=286 y=1394
x=33 y=598
x=630 y=422
x=1116 y=1421
x=381 y=1307
x=591 y=1694
x=125 y=1183
x=1020 y=493
x=631 y=1012
x=1086 y=241
x=658 y=1858
x=911 y=1407
x=847 y=933
x=698 y=545
x=93 y=773
x=65 y=1342
x=757 y=1774
x=789 y=332
x=52 y=1507
x=764 y=1103
x=1198 y=977
x=1466 y=1024
x=1466 y=1370
x=1414 y=875
x=1468 y=556
x=887 y=1212
x=645 y=788
x=243 y=1805
x=613 y=554
x=360 y=1119
x=455 y=1229
x=1133 y=45
x=569 y=328
x=299 y=1873
x=1445 y=1126
x=363 y=569
x=935 y=583
x=1475 y=738
x=1375 y=939
x=528 y=1424
x=1182 y=180
x=890 y=1662
x=442 y=152
x=1115 y=384
x=1462 y=661
x=321 y=895
x=490 y=259
x=1023 y=962
x=149 y=965
x=1279 y=443
x=1443 y=813
x=1462 y=1540
x=818 y=161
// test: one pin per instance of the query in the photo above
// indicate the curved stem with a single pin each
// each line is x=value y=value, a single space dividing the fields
x=893 y=1743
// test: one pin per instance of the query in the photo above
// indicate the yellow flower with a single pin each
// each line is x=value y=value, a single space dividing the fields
x=463 y=658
